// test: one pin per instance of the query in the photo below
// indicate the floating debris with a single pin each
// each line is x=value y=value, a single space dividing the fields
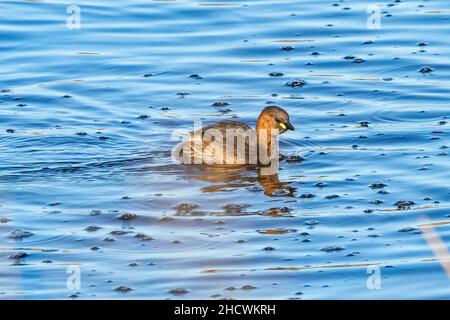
x=364 y=124
x=276 y=74
x=426 y=70
x=282 y=193
x=220 y=104
x=285 y=210
x=294 y=159
x=248 y=287
x=377 y=185
x=118 y=232
x=332 y=248
x=311 y=222
x=19 y=234
x=406 y=229
x=296 y=83
x=18 y=255
x=404 y=204
x=143 y=237
x=224 y=110
x=195 y=76
x=95 y=212
x=321 y=184
x=92 y=228
x=127 y=216
x=287 y=48
x=178 y=291
x=123 y=289
x=53 y=204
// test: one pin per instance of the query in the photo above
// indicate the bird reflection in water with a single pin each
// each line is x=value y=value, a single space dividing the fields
x=228 y=179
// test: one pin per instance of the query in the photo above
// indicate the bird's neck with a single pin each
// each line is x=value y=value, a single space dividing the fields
x=265 y=133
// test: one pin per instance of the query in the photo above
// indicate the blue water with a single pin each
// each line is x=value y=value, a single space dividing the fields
x=86 y=118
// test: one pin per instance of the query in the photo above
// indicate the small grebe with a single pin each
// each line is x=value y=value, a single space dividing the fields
x=271 y=121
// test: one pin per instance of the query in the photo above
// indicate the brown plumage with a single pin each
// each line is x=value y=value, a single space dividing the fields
x=198 y=144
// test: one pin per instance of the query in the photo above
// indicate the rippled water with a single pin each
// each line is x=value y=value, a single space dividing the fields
x=85 y=137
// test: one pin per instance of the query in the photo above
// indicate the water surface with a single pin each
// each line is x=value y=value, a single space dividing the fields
x=86 y=118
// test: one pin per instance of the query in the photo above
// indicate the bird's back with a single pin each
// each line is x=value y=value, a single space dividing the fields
x=227 y=124
x=198 y=144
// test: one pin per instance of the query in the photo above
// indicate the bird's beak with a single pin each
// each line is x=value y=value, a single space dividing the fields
x=289 y=126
